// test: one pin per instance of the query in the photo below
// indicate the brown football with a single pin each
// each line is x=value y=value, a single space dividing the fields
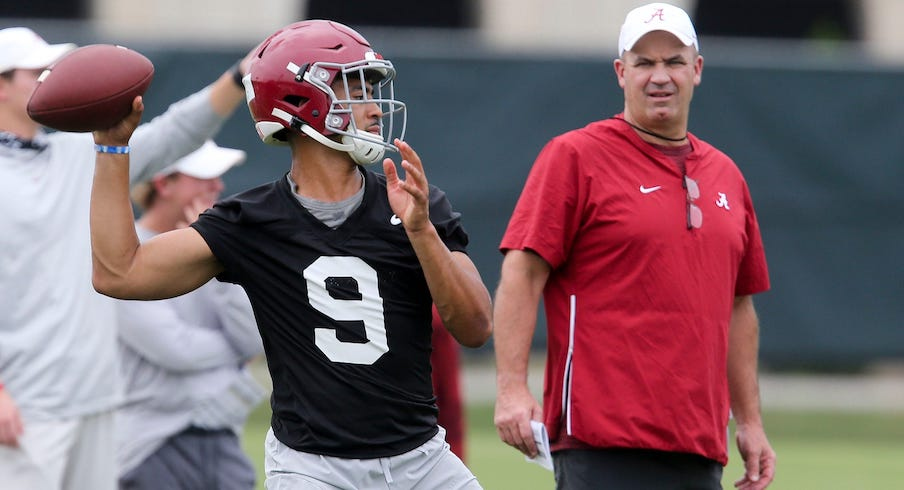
x=90 y=88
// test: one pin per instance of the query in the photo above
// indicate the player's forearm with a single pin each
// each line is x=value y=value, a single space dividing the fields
x=184 y=126
x=743 y=349
x=228 y=91
x=226 y=94
x=113 y=238
x=460 y=296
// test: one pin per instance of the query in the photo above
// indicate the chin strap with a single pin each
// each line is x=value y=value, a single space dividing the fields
x=366 y=152
x=363 y=148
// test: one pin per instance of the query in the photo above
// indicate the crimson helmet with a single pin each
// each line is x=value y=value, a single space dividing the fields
x=289 y=88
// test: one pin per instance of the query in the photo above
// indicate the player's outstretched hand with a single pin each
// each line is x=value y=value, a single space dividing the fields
x=409 y=198
x=120 y=133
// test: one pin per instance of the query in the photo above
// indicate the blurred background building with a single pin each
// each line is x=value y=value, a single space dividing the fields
x=581 y=26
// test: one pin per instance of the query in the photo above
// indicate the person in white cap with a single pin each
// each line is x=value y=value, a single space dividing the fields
x=58 y=370
x=643 y=242
x=187 y=389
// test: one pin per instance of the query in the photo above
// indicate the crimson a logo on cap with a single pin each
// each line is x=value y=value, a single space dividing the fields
x=658 y=13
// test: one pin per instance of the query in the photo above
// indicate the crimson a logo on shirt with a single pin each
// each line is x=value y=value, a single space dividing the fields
x=722 y=202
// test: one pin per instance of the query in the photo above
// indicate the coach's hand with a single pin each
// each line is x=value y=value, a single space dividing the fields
x=515 y=408
x=759 y=458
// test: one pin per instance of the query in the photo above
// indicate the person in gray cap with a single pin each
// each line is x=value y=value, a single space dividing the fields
x=59 y=381
x=642 y=241
x=188 y=392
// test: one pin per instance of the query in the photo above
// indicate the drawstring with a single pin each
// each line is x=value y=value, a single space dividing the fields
x=384 y=463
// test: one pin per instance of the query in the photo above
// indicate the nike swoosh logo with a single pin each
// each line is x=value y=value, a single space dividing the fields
x=647 y=190
x=395 y=220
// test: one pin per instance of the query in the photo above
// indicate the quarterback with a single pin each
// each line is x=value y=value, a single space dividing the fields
x=341 y=265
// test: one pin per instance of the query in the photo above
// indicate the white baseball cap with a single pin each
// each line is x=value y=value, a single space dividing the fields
x=207 y=162
x=21 y=48
x=656 y=17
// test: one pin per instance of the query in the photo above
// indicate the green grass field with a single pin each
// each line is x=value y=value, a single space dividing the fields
x=816 y=450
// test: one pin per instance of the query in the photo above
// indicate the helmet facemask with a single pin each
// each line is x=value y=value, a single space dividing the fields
x=363 y=146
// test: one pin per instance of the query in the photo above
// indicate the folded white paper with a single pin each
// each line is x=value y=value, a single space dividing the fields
x=541 y=438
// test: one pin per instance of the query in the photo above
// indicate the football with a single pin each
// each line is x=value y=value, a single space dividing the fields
x=90 y=88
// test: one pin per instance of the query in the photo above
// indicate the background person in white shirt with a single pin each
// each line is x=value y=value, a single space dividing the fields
x=58 y=368
x=188 y=391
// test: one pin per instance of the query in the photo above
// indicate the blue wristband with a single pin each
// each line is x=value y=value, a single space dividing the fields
x=121 y=150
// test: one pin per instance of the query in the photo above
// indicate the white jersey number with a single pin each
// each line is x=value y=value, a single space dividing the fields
x=368 y=308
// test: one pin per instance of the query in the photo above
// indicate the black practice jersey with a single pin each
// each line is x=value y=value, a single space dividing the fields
x=345 y=315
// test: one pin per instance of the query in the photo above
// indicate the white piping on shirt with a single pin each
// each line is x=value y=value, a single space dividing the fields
x=566 y=382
